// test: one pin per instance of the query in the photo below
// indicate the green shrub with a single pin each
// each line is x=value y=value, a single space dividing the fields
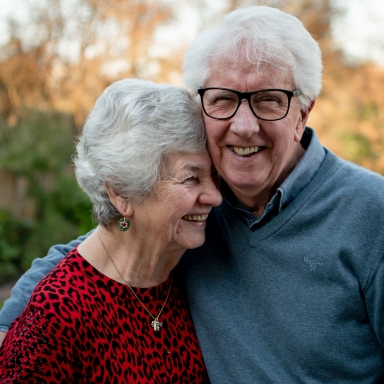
x=39 y=149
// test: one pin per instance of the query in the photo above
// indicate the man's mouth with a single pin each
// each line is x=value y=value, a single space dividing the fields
x=247 y=151
x=196 y=217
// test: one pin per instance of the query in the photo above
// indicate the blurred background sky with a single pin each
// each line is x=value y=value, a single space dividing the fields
x=359 y=29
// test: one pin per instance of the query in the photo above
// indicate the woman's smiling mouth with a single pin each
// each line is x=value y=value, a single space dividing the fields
x=196 y=217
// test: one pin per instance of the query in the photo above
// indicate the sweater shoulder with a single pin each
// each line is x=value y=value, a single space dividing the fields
x=350 y=178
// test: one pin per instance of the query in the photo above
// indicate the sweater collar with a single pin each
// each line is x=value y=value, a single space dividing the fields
x=297 y=180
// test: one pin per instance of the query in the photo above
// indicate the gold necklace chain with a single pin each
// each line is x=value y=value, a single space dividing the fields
x=155 y=323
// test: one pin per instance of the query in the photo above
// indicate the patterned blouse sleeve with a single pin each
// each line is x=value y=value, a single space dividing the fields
x=21 y=292
x=31 y=349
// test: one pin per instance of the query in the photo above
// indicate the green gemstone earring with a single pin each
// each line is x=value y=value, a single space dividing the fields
x=124 y=224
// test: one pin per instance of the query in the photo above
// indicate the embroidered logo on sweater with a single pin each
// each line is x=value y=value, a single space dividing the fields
x=313 y=264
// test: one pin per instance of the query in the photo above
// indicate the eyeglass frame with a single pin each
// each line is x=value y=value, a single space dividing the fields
x=247 y=96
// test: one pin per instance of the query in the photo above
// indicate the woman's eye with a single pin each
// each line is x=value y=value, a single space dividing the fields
x=191 y=178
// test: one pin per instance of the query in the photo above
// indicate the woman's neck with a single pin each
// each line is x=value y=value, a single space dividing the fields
x=127 y=258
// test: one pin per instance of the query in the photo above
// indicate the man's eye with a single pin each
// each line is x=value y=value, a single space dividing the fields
x=224 y=100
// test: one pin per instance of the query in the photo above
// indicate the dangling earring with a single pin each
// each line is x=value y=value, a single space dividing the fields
x=124 y=224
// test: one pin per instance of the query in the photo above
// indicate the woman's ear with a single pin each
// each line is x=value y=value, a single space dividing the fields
x=122 y=204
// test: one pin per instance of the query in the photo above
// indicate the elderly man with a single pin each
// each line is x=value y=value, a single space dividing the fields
x=288 y=287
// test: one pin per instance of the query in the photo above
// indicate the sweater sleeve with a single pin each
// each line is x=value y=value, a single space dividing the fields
x=374 y=299
x=21 y=292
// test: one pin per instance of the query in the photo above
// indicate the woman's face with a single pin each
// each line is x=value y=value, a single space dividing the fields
x=175 y=218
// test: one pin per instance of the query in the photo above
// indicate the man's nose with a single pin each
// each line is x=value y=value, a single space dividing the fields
x=245 y=123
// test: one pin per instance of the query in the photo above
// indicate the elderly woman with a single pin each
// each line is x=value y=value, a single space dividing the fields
x=111 y=311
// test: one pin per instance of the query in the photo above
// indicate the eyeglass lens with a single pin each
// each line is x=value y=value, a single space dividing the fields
x=268 y=105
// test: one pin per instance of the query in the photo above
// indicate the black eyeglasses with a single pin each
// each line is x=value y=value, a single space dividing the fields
x=265 y=104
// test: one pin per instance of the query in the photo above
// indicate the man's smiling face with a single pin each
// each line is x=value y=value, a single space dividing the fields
x=254 y=156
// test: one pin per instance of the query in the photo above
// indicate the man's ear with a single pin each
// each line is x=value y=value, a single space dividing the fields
x=301 y=124
x=121 y=203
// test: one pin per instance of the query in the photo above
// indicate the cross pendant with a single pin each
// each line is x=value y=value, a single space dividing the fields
x=156 y=325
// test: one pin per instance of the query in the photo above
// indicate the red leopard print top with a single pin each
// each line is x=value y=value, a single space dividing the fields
x=83 y=327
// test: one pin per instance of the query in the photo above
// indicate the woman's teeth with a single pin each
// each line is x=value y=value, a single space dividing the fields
x=245 y=151
x=195 y=217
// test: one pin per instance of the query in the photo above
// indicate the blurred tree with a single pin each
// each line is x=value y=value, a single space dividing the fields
x=38 y=150
x=51 y=71
x=70 y=50
x=13 y=237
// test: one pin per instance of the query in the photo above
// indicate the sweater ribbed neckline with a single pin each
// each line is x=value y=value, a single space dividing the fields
x=325 y=171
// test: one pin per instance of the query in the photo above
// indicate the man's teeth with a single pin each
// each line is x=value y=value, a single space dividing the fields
x=195 y=217
x=245 y=151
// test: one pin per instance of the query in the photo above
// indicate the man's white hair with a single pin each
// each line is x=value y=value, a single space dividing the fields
x=266 y=36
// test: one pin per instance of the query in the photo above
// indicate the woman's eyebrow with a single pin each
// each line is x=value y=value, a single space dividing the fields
x=193 y=168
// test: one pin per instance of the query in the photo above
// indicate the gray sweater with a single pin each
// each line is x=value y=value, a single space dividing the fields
x=299 y=299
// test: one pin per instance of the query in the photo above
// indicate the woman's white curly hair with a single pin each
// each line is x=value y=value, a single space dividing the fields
x=125 y=141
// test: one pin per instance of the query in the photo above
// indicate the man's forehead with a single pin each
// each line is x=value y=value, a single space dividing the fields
x=245 y=74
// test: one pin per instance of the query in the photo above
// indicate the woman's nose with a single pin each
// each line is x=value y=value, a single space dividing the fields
x=211 y=195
